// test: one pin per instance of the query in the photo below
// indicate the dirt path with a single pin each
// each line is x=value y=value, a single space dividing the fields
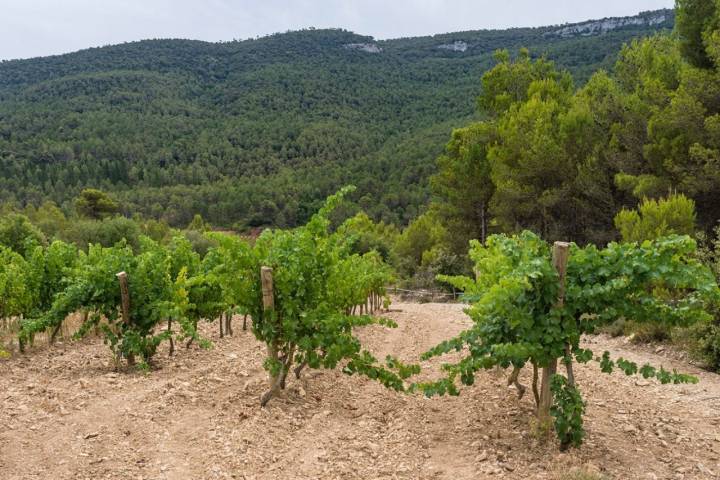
x=64 y=414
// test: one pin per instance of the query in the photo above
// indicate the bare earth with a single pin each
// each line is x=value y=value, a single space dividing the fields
x=65 y=414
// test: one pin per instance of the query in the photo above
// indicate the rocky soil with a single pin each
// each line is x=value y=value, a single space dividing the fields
x=66 y=414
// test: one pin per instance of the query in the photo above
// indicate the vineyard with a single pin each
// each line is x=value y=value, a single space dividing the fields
x=304 y=312
x=197 y=416
x=171 y=319
x=181 y=299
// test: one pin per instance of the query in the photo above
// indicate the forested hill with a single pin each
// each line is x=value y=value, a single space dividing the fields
x=260 y=131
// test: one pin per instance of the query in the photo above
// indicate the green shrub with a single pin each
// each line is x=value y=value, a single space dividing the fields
x=18 y=234
x=106 y=232
x=703 y=340
x=618 y=328
x=648 y=332
x=657 y=218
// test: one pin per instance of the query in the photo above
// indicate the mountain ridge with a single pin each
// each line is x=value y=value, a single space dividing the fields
x=667 y=12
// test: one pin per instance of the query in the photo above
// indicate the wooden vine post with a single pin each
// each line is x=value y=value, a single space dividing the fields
x=559 y=259
x=268 y=299
x=125 y=306
x=266 y=281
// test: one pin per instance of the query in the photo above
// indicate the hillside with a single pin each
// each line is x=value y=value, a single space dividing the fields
x=259 y=131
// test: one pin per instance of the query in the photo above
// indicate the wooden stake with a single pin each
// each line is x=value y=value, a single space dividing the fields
x=125 y=306
x=561 y=251
x=172 y=342
x=266 y=283
x=266 y=279
x=125 y=297
x=559 y=260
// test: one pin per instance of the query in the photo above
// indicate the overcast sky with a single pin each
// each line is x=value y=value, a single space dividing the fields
x=31 y=28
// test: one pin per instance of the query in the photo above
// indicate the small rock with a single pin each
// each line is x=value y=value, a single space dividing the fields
x=705 y=470
x=630 y=429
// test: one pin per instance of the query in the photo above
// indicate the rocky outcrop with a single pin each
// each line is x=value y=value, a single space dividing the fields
x=598 y=27
x=364 y=47
x=456 y=46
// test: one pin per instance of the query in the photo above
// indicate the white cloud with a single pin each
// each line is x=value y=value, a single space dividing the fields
x=43 y=27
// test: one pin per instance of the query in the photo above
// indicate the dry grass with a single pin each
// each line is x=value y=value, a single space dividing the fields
x=579 y=474
x=9 y=329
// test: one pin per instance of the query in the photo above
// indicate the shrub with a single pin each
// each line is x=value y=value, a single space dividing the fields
x=657 y=218
x=18 y=234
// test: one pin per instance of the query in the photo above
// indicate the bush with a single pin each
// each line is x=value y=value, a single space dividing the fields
x=107 y=232
x=618 y=328
x=638 y=332
x=703 y=340
x=657 y=218
x=18 y=234
x=200 y=243
x=648 y=332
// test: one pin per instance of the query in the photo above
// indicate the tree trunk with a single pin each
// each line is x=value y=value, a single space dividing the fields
x=228 y=323
x=245 y=322
x=483 y=223
x=55 y=331
x=286 y=367
x=513 y=380
x=192 y=338
x=277 y=382
x=299 y=369
x=569 y=366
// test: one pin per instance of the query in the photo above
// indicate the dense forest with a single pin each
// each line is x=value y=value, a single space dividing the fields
x=258 y=132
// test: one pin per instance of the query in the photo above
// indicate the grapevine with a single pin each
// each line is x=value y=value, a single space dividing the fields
x=524 y=314
x=315 y=283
